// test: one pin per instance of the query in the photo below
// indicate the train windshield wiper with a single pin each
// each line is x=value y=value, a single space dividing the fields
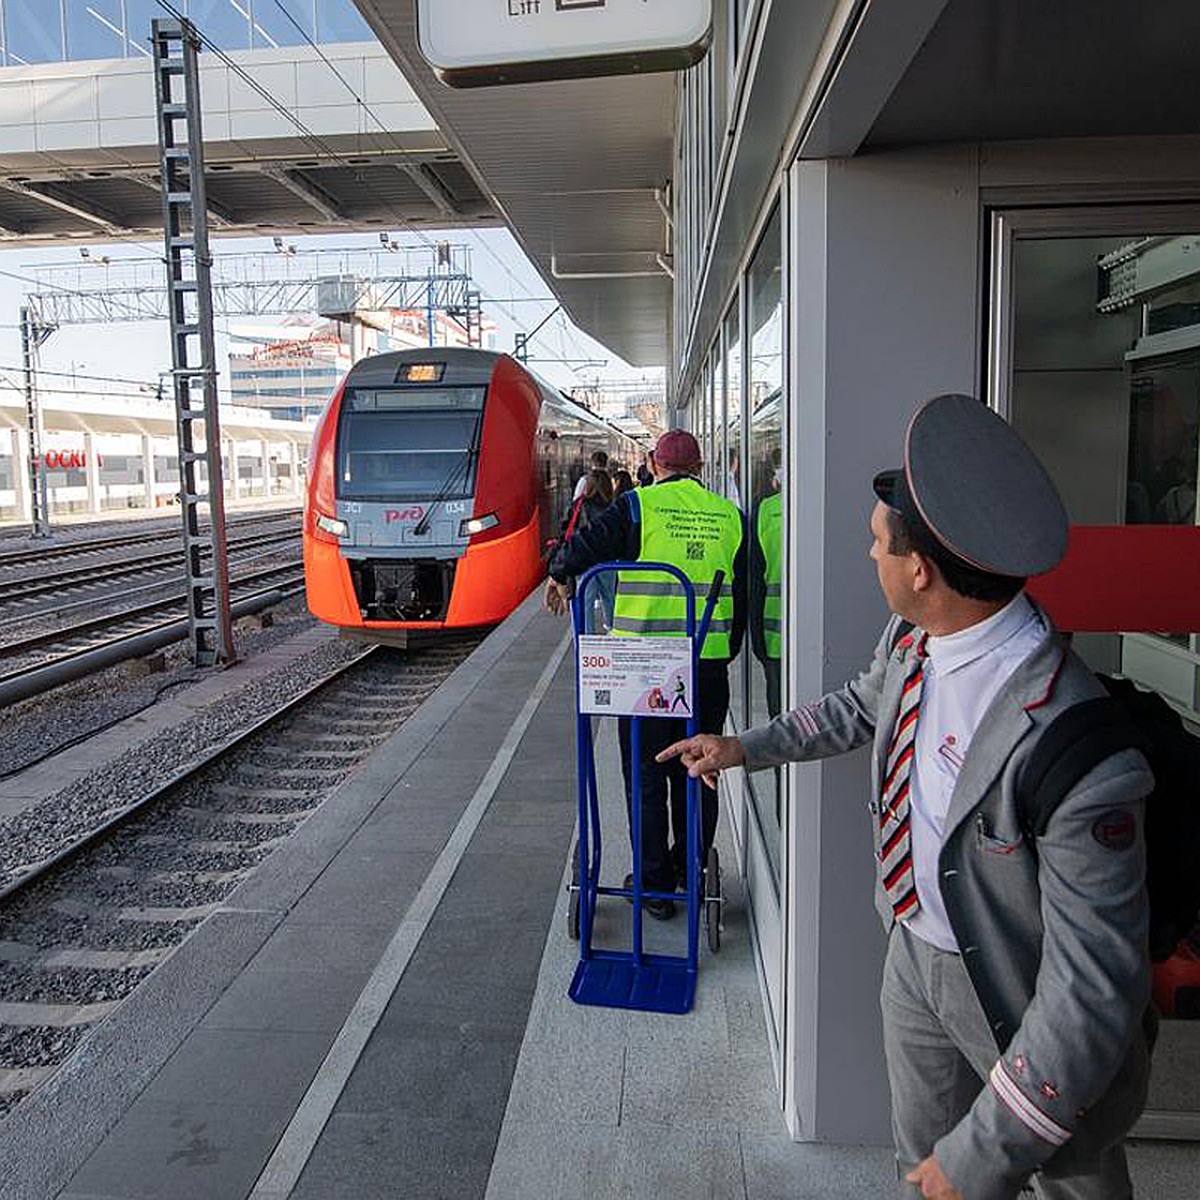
x=464 y=461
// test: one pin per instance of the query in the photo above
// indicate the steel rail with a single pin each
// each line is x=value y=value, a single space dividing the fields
x=19 y=557
x=156 y=585
x=22 y=684
x=83 y=576
x=182 y=776
x=69 y=632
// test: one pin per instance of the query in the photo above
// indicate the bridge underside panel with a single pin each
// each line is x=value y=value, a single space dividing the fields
x=79 y=157
x=278 y=194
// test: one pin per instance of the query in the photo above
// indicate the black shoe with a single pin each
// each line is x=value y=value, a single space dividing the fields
x=660 y=910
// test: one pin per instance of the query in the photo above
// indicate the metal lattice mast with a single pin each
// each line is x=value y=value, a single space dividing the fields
x=193 y=350
x=32 y=336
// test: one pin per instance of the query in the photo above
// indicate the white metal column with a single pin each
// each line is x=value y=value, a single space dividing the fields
x=235 y=474
x=148 y=469
x=91 y=468
x=20 y=475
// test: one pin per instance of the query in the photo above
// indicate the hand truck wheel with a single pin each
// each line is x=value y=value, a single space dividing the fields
x=573 y=897
x=712 y=900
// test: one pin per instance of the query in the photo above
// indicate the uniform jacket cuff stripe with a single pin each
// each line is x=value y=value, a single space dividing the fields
x=1024 y=1109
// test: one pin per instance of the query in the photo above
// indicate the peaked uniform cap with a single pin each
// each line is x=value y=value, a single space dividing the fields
x=982 y=492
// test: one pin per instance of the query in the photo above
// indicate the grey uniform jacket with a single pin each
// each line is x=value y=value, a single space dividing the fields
x=1053 y=936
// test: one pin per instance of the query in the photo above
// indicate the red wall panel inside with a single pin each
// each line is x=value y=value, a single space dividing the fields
x=1130 y=578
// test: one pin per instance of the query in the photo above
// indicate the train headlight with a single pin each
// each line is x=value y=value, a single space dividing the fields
x=478 y=524
x=332 y=525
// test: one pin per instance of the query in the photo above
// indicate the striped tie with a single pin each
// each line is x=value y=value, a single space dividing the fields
x=895 y=831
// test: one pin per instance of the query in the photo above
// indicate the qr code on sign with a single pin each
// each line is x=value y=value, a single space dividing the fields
x=695 y=551
x=601 y=696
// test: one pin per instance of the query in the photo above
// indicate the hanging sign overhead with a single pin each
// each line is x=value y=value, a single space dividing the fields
x=470 y=43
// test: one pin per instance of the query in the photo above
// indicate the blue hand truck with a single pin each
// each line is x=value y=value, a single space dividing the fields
x=636 y=979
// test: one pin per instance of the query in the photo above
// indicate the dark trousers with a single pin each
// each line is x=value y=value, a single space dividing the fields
x=664 y=785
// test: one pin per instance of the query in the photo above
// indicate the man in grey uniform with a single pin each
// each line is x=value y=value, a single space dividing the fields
x=1017 y=979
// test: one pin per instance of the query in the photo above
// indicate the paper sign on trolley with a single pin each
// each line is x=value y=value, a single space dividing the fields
x=635 y=677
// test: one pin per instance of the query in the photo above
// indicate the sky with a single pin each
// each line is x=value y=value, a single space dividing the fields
x=514 y=296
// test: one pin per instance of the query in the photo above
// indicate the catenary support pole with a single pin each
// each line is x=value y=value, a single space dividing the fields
x=193 y=350
x=39 y=499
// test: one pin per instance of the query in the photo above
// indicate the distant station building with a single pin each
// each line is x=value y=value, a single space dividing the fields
x=105 y=454
x=289 y=370
x=292 y=368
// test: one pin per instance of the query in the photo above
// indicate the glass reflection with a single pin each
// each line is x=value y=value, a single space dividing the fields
x=732 y=480
x=95 y=29
x=1106 y=388
x=766 y=511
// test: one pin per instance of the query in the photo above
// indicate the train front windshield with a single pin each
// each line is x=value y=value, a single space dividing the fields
x=409 y=443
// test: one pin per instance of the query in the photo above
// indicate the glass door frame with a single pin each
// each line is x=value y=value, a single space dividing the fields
x=1004 y=226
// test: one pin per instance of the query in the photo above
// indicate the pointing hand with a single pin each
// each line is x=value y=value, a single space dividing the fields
x=706 y=755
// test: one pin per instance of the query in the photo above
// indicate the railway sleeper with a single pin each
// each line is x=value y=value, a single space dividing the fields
x=23 y=1079
x=83 y=959
x=57 y=1016
x=167 y=915
x=248 y=818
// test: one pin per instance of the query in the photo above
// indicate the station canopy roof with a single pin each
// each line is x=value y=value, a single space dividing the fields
x=576 y=168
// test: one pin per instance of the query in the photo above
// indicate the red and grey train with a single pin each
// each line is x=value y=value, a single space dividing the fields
x=435 y=480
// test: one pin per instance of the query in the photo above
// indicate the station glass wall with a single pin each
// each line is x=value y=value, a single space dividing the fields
x=40 y=31
x=764 y=509
x=1109 y=396
x=705 y=108
x=737 y=412
x=731 y=335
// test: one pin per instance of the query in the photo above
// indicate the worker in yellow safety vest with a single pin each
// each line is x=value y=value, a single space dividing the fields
x=677 y=521
x=766 y=589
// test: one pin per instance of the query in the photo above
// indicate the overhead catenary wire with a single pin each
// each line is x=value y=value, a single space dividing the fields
x=402 y=150
x=315 y=139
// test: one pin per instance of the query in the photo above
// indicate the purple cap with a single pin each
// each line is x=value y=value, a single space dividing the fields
x=677 y=450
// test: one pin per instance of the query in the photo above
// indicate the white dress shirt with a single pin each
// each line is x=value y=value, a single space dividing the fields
x=963 y=673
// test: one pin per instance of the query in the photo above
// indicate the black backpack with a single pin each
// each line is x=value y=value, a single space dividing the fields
x=1085 y=734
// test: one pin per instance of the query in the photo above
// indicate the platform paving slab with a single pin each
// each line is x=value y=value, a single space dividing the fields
x=367 y=1156
x=613 y=1104
x=447 y=1042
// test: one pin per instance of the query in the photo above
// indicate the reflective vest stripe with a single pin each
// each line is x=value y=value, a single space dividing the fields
x=665 y=626
x=639 y=587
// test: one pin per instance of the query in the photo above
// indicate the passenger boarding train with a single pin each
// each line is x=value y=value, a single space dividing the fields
x=436 y=478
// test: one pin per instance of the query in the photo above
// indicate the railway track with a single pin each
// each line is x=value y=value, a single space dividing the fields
x=27 y=587
x=80 y=929
x=45 y=553
x=51 y=658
